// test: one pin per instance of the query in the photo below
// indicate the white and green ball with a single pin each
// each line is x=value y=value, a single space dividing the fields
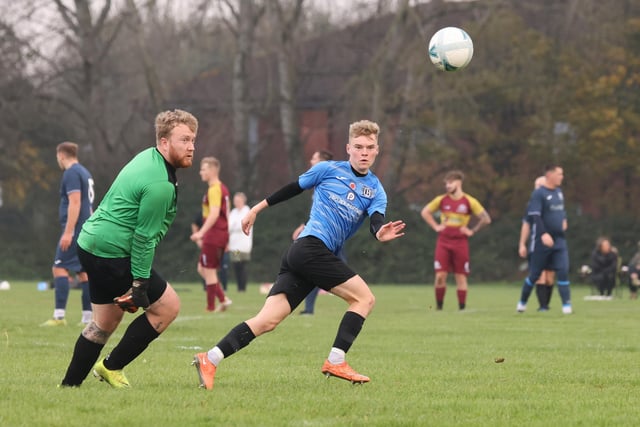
x=450 y=49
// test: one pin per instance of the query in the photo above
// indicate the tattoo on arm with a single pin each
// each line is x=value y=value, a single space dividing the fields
x=483 y=219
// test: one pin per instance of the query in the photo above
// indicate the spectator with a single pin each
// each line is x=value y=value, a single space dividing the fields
x=240 y=244
x=604 y=265
x=634 y=274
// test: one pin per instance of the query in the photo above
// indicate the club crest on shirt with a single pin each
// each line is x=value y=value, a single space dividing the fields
x=367 y=192
x=461 y=209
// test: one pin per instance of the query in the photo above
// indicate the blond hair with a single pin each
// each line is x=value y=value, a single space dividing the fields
x=210 y=161
x=167 y=120
x=363 y=127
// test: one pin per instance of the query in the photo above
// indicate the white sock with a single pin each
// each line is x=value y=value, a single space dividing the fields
x=87 y=315
x=336 y=356
x=59 y=313
x=215 y=355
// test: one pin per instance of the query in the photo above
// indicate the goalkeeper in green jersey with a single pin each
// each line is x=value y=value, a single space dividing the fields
x=116 y=248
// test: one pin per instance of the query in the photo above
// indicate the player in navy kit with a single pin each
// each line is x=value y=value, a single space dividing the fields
x=76 y=205
x=549 y=248
x=345 y=193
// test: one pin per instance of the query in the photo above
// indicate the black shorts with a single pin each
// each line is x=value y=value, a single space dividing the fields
x=111 y=277
x=306 y=264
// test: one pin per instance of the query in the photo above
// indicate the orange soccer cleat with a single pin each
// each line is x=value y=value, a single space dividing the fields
x=344 y=371
x=206 y=370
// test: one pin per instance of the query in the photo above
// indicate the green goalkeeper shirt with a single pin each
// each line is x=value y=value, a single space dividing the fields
x=135 y=214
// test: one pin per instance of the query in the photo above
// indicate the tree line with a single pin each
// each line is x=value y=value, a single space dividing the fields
x=551 y=81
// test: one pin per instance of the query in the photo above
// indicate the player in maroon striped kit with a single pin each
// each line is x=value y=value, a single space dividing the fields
x=452 y=248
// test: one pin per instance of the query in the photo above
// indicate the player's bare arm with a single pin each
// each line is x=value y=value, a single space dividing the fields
x=525 y=230
x=297 y=232
x=547 y=240
x=214 y=213
x=483 y=219
x=430 y=220
x=73 y=213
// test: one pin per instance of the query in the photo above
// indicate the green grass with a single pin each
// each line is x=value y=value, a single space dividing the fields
x=427 y=368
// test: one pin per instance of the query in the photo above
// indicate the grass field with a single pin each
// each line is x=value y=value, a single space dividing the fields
x=427 y=368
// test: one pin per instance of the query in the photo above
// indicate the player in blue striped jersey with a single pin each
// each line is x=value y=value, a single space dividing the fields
x=345 y=193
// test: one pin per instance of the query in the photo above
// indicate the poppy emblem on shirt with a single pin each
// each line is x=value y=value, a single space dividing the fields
x=352 y=185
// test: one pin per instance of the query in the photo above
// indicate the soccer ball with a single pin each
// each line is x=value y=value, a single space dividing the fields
x=450 y=49
x=5 y=286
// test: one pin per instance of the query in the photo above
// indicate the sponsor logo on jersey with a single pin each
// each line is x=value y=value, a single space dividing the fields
x=351 y=196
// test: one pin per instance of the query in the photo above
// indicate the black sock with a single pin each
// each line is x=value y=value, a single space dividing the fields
x=85 y=354
x=237 y=338
x=541 y=294
x=348 y=330
x=136 y=339
x=547 y=295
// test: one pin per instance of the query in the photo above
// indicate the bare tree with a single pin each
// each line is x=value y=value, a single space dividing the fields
x=284 y=22
x=82 y=74
x=154 y=86
x=21 y=166
x=245 y=19
x=384 y=66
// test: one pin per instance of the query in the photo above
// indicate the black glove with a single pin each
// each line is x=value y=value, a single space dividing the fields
x=131 y=301
x=139 y=292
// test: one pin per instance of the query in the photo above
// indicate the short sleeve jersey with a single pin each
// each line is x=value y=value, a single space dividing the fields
x=135 y=214
x=526 y=218
x=341 y=201
x=76 y=179
x=217 y=196
x=549 y=205
x=454 y=213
